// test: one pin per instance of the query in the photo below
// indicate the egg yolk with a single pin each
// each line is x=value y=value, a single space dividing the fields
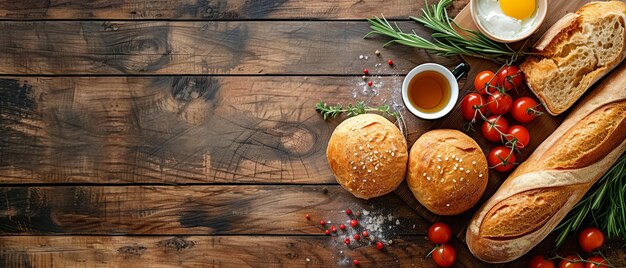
x=519 y=9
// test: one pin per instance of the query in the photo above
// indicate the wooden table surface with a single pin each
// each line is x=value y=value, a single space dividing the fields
x=183 y=134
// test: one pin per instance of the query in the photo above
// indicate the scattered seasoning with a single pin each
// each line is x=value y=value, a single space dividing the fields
x=326 y=232
x=390 y=62
x=333 y=229
x=379 y=245
x=357 y=237
x=347 y=241
x=377 y=52
x=307 y=216
x=348 y=211
x=364 y=77
x=366 y=71
x=322 y=222
x=356 y=262
x=342 y=226
x=354 y=223
x=370 y=83
x=365 y=233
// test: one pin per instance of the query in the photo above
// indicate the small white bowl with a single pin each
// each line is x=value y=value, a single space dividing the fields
x=454 y=90
x=542 y=9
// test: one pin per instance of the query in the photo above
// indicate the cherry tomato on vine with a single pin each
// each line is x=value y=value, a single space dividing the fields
x=483 y=79
x=439 y=233
x=469 y=104
x=493 y=126
x=501 y=159
x=540 y=262
x=510 y=77
x=596 y=262
x=499 y=103
x=523 y=109
x=590 y=239
x=571 y=261
x=521 y=134
x=444 y=255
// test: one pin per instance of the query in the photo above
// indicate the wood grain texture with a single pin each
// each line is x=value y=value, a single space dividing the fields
x=175 y=129
x=186 y=210
x=211 y=9
x=239 y=47
x=211 y=251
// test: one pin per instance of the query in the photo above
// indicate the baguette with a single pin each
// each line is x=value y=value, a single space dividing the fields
x=542 y=190
x=576 y=52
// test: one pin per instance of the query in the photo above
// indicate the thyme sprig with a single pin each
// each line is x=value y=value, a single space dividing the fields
x=604 y=206
x=449 y=39
x=352 y=110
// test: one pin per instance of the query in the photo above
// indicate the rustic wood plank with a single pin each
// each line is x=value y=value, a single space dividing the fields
x=211 y=251
x=211 y=10
x=238 y=47
x=186 y=210
x=235 y=251
x=175 y=129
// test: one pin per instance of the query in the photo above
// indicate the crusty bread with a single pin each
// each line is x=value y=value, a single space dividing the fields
x=575 y=53
x=543 y=189
x=368 y=155
x=448 y=171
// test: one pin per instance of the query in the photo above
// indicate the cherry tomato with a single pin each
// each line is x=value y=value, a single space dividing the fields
x=469 y=104
x=499 y=103
x=483 y=79
x=540 y=262
x=439 y=233
x=596 y=262
x=444 y=255
x=490 y=126
x=521 y=109
x=521 y=134
x=498 y=159
x=591 y=239
x=575 y=262
x=510 y=77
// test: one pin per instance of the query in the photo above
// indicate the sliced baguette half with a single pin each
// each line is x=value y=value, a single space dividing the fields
x=576 y=52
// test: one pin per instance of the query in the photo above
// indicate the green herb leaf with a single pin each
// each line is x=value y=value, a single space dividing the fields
x=353 y=110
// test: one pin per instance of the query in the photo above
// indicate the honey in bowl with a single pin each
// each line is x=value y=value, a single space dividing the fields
x=429 y=91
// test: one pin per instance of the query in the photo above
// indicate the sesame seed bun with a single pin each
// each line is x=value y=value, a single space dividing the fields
x=368 y=155
x=447 y=172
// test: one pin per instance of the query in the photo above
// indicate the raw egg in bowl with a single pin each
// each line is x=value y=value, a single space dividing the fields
x=508 y=20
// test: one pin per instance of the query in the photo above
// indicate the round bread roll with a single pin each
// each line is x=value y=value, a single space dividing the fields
x=368 y=155
x=448 y=171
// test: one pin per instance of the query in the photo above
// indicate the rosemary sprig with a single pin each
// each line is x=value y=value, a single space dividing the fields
x=604 y=205
x=352 y=110
x=449 y=39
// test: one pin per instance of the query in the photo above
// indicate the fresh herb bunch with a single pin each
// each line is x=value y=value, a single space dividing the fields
x=604 y=205
x=352 y=110
x=449 y=39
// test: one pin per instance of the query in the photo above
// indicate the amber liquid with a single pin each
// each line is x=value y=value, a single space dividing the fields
x=429 y=92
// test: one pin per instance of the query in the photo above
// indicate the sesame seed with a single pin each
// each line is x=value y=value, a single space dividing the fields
x=373 y=180
x=439 y=159
x=354 y=168
x=369 y=170
x=454 y=180
x=360 y=147
x=442 y=180
x=376 y=168
x=454 y=167
x=480 y=175
x=453 y=157
x=438 y=155
x=446 y=158
x=428 y=178
x=473 y=162
x=467 y=171
x=393 y=154
x=447 y=205
x=438 y=167
x=424 y=174
x=461 y=178
x=375 y=152
x=441 y=172
x=461 y=160
x=363 y=166
x=461 y=169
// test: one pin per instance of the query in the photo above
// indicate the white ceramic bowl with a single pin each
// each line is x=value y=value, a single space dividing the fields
x=454 y=90
x=542 y=9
